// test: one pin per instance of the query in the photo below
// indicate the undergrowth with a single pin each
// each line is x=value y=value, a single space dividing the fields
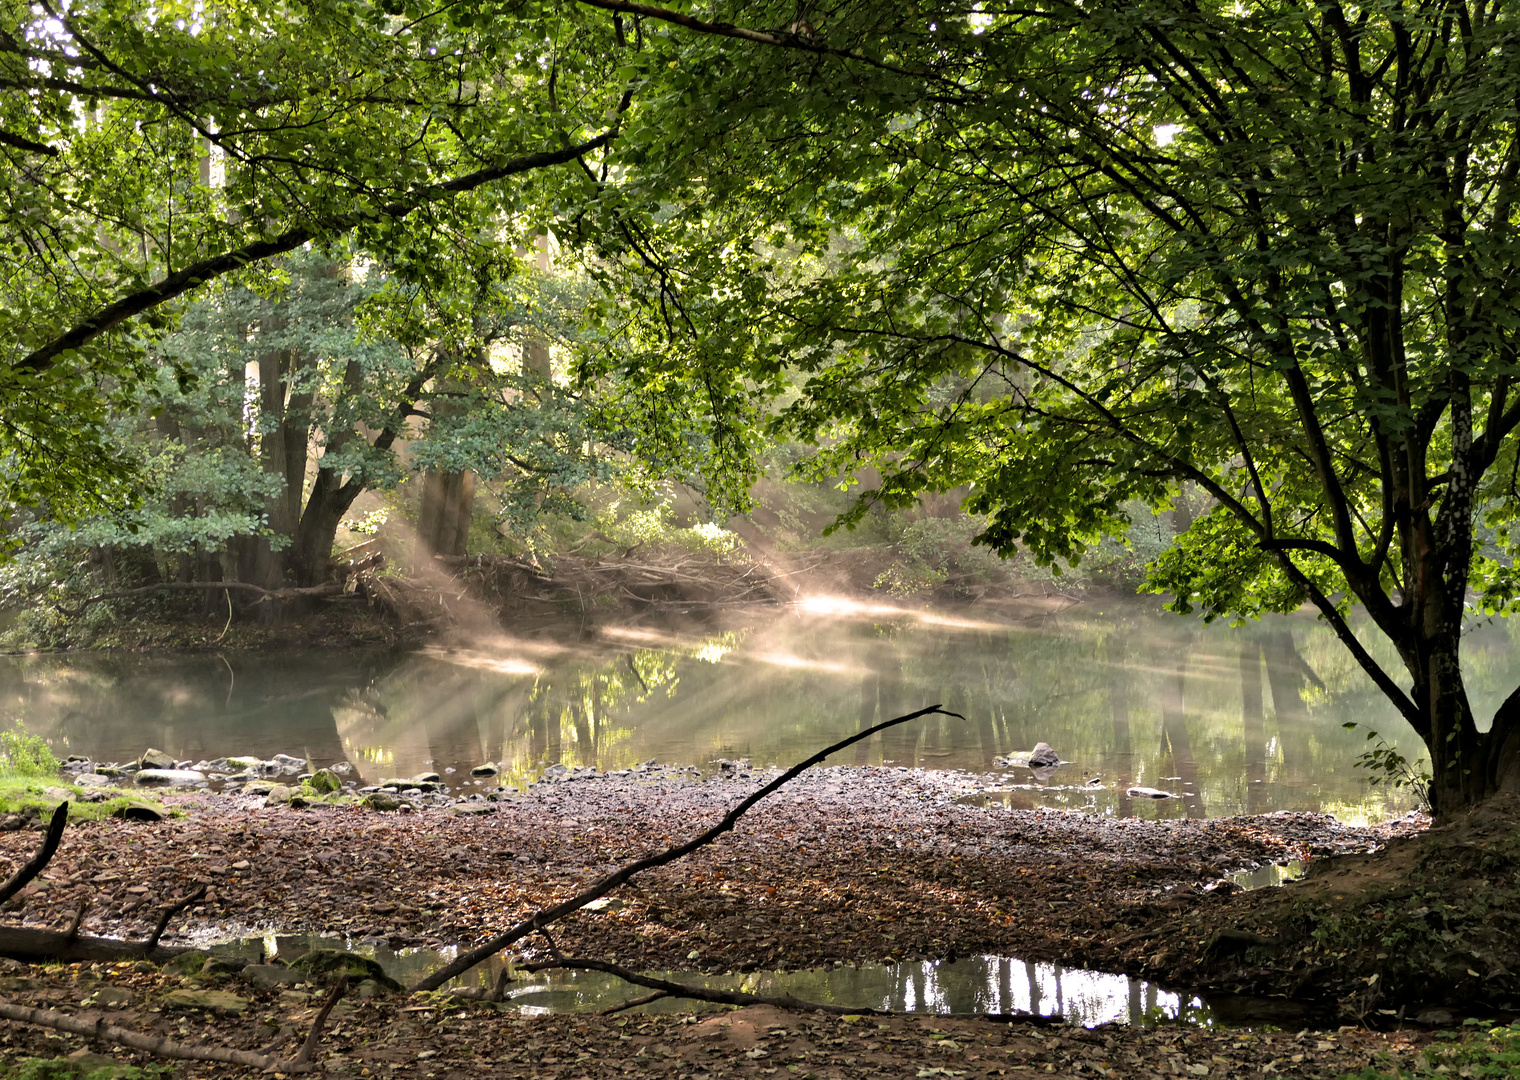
x=67 y=1069
x=1495 y=1052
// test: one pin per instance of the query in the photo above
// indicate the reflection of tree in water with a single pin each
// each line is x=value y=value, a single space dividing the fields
x=1176 y=747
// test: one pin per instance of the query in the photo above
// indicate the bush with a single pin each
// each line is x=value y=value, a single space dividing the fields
x=25 y=754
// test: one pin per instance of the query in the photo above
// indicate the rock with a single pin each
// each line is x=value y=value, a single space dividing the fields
x=155 y=759
x=343 y=768
x=57 y=794
x=92 y=779
x=1043 y=757
x=188 y=963
x=470 y=809
x=325 y=781
x=261 y=787
x=1149 y=793
x=247 y=764
x=369 y=989
x=1435 y=1017
x=269 y=976
x=88 y=1062
x=169 y=777
x=223 y=965
x=112 y=997
x=286 y=761
x=425 y=778
x=326 y=965
x=204 y=999
x=485 y=770
x=555 y=772
x=380 y=800
x=279 y=795
x=139 y=812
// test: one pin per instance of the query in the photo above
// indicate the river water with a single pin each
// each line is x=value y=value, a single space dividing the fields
x=1231 y=719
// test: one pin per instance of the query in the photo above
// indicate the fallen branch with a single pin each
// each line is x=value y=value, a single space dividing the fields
x=38 y=862
x=666 y=988
x=545 y=916
x=309 y=1047
x=150 y=1044
x=169 y=912
x=73 y=931
x=634 y=1003
x=34 y=945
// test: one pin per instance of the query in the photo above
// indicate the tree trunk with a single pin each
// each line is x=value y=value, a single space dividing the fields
x=310 y=551
x=448 y=504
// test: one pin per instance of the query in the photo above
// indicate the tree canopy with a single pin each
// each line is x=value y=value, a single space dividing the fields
x=1066 y=255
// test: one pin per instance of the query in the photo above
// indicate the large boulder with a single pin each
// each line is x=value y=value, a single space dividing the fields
x=270 y=976
x=328 y=965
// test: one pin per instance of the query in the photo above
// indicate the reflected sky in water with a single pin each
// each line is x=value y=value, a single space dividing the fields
x=1231 y=719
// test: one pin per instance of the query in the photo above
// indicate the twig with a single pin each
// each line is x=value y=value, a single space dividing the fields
x=264 y=595
x=634 y=1003
x=738 y=997
x=151 y=1044
x=39 y=861
x=309 y=1047
x=169 y=912
x=544 y=916
x=553 y=948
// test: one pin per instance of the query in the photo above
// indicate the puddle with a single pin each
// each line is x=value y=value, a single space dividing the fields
x=1269 y=875
x=985 y=984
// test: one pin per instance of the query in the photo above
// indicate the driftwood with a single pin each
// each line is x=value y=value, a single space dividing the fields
x=545 y=916
x=667 y=988
x=151 y=1044
x=38 y=862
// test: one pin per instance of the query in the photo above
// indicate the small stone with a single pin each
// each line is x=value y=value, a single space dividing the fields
x=169 y=777
x=92 y=779
x=223 y=965
x=155 y=759
x=1149 y=793
x=139 y=812
x=487 y=769
x=470 y=809
x=241 y=864
x=325 y=781
x=111 y=997
x=269 y=976
x=188 y=962
x=1043 y=757
x=57 y=794
x=380 y=800
x=369 y=989
x=204 y=999
x=279 y=795
x=424 y=778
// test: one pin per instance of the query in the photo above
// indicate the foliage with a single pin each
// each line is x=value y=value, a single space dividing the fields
x=1385 y=765
x=25 y=754
x=68 y=1069
x=1495 y=1052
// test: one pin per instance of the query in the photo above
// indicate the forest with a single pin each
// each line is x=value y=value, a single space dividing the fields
x=320 y=318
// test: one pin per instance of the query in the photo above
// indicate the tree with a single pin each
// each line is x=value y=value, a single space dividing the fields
x=1075 y=254
x=148 y=149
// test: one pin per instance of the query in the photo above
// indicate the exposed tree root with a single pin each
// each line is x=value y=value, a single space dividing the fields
x=151 y=1044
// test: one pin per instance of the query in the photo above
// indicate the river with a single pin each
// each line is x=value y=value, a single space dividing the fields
x=1232 y=719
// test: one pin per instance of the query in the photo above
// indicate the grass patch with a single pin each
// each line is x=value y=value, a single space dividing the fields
x=27 y=796
x=1495 y=1052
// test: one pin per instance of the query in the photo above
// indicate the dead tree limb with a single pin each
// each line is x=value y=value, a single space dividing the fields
x=634 y=1003
x=667 y=988
x=309 y=1047
x=150 y=1044
x=34 y=945
x=38 y=862
x=73 y=931
x=261 y=594
x=545 y=916
x=151 y=942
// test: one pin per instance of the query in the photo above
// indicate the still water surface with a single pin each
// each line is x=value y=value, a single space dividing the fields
x=1234 y=720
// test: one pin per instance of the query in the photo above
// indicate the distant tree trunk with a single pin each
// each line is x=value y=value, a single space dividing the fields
x=1176 y=747
x=1253 y=724
x=448 y=504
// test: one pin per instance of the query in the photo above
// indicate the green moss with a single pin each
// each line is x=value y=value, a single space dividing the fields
x=1495 y=1052
x=66 y=1069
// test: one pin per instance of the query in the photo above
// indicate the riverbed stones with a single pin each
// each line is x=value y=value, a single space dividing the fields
x=204 y=999
x=487 y=769
x=279 y=795
x=170 y=777
x=471 y=809
x=155 y=759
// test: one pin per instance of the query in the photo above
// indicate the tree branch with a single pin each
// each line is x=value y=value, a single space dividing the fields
x=183 y=280
x=39 y=861
x=545 y=916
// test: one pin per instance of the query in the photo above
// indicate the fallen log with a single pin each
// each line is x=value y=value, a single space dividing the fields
x=151 y=1044
x=546 y=916
x=33 y=945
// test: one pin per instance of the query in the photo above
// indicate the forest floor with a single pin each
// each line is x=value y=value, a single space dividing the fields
x=849 y=865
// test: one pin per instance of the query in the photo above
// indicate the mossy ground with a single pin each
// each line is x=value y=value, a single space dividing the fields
x=28 y=797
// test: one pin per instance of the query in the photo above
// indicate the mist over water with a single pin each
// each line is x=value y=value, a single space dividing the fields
x=1231 y=719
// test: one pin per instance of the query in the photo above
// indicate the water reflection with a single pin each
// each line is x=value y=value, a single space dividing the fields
x=1232 y=720
x=983 y=984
